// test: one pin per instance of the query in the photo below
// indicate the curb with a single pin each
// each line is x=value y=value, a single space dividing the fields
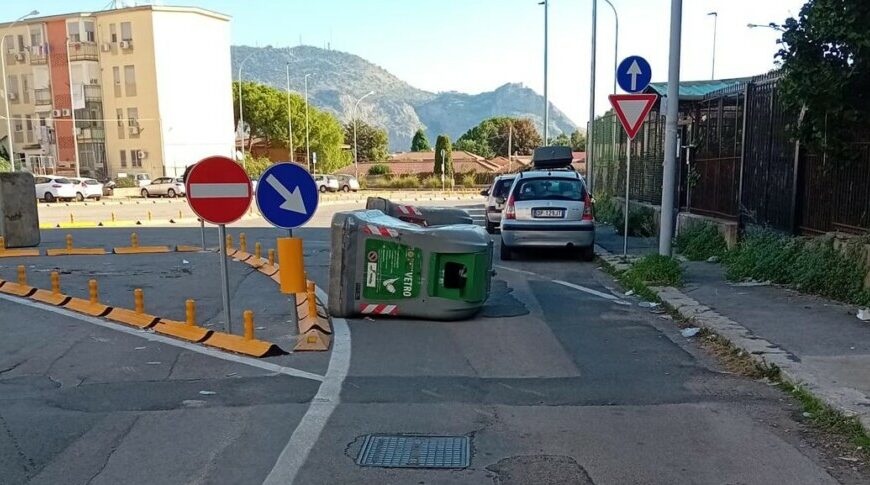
x=849 y=402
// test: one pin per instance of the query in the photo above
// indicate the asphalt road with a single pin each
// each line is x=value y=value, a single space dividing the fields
x=559 y=380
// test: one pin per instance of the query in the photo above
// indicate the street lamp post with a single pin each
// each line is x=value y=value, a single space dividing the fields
x=771 y=25
x=3 y=53
x=241 y=106
x=355 y=152
x=307 y=130
x=589 y=132
x=666 y=230
x=715 y=25
x=546 y=98
x=289 y=117
x=72 y=110
x=615 y=65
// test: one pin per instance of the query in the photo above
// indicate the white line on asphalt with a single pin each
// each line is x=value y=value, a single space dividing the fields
x=606 y=296
x=289 y=371
x=306 y=434
x=219 y=191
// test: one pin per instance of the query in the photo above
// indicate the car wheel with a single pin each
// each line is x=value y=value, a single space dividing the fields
x=507 y=253
x=587 y=253
x=490 y=227
x=97 y=198
x=144 y=194
x=80 y=197
x=346 y=188
x=170 y=194
x=49 y=197
x=322 y=189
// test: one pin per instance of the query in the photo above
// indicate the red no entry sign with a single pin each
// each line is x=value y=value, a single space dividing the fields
x=218 y=190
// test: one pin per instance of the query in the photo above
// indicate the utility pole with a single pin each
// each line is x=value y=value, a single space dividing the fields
x=546 y=97
x=510 y=143
x=669 y=177
x=715 y=24
x=289 y=116
x=241 y=107
x=589 y=148
x=72 y=105
x=307 y=130
x=355 y=152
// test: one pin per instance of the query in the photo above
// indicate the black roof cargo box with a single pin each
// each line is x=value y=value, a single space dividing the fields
x=552 y=157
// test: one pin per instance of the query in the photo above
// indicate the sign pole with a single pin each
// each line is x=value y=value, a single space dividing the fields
x=225 y=276
x=202 y=233
x=294 y=309
x=627 y=181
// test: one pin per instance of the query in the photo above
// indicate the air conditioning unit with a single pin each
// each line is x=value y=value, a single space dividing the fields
x=126 y=44
x=65 y=112
x=95 y=81
x=13 y=96
x=141 y=154
x=106 y=47
x=134 y=130
x=56 y=113
x=19 y=57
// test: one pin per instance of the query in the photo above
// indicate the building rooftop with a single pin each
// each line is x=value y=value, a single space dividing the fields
x=91 y=13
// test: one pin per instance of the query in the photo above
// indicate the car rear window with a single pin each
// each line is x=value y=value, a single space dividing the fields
x=91 y=182
x=550 y=189
x=502 y=187
x=62 y=181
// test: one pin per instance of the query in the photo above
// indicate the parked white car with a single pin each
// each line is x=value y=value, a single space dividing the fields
x=142 y=179
x=347 y=183
x=87 y=188
x=164 y=187
x=326 y=183
x=50 y=189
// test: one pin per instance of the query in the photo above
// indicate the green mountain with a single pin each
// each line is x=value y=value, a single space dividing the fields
x=337 y=79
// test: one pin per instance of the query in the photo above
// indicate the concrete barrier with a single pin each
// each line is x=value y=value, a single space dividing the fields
x=19 y=217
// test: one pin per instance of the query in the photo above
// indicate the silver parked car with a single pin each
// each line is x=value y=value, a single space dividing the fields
x=326 y=183
x=164 y=187
x=548 y=208
x=346 y=183
x=496 y=196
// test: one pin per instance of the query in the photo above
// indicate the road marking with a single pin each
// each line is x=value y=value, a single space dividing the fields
x=606 y=296
x=306 y=434
x=153 y=337
x=218 y=191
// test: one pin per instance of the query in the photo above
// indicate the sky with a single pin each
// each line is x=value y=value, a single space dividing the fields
x=477 y=45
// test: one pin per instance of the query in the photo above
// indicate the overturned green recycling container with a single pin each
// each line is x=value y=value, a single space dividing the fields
x=422 y=216
x=383 y=266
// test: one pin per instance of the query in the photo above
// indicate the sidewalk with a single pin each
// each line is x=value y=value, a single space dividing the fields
x=815 y=342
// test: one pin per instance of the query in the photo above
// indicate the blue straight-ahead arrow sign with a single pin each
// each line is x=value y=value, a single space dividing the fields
x=633 y=74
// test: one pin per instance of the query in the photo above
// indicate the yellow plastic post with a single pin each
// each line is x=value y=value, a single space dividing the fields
x=271 y=257
x=22 y=275
x=312 y=300
x=179 y=215
x=243 y=243
x=94 y=291
x=139 y=300
x=69 y=242
x=55 y=282
x=229 y=242
x=291 y=265
x=2 y=243
x=248 y=317
x=149 y=216
x=134 y=240
x=258 y=251
x=190 y=312
x=113 y=216
x=72 y=219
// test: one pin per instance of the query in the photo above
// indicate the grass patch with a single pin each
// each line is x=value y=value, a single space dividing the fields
x=829 y=419
x=641 y=220
x=810 y=265
x=700 y=242
x=657 y=270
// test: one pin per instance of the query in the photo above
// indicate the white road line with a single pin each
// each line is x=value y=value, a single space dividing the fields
x=219 y=191
x=306 y=434
x=606 y=296
x=153 y=337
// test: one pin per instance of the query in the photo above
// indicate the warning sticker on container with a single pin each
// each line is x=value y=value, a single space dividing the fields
x=392 y=270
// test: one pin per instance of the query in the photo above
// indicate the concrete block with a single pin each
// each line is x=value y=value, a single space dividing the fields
x=728 y=229
x=19 y=218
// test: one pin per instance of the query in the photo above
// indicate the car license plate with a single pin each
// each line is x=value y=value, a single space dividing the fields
x=548 y=213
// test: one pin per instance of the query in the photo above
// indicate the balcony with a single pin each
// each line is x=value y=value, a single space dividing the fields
x=93 y=92
x=83 y=51
x=91 y=134
x=42 y=97
x=39 y=55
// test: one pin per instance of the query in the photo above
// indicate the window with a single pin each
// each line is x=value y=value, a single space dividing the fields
x=130 y=80
x=7 y=46
x=135 y=161
x=502 y=187
x=123 y=159
x=116 y=77
x=119 y=113
x=26 y=82
x=133 y=117
x=28 y=127
x=90 y=36
x=20 y=43
x=73 y=32
x=113 y=33
x=126 y=31
x=18 y=128
x=12 y=82
x=36 y=37
x=549 y=189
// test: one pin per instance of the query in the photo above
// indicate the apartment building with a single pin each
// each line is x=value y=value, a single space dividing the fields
x=142 y=89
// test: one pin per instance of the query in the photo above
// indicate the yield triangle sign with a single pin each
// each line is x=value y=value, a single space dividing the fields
x=631 y=109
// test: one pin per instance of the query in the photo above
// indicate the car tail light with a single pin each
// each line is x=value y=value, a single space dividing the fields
x=510 y=212
x=587 y=208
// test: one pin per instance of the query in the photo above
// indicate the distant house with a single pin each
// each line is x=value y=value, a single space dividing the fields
x=423 y=163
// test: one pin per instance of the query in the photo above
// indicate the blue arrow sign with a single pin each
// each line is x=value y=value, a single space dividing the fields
x=633 y=74
x=287 y=195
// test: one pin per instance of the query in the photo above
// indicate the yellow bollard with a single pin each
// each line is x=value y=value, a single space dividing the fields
x=271 y=257
x=258 y=251
x=72 y=219
x=312 y=300
x=248 y=317
x=55 y=282
x=134 y=240
x=22 y=275
x=291 y=265
x=2 y=243
x=53 y=297
x=113 y=217
x=149 y=216
x=229 y=242
x=94 y=292
x=190 y=313
x=139 y=300
x=69 y=242
x=179 y=215
x=243 y=243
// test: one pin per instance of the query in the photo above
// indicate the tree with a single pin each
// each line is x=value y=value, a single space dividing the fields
x=372 y=142
x=578 y=141
x=443 y=144
x=825 y=59
x=266 y=117
x=562 y=140
x=255 y=166
x=492 y=136
x=420 y=143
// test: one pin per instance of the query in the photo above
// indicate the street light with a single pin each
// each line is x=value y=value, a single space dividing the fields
x=615 y=43
x=771 y=25
x=546 y=98
x=307 y=131
x=355 y=153
x=715 y=24
x=241 y=108
x=591 y=130
x=5 y=88
x=289 y=117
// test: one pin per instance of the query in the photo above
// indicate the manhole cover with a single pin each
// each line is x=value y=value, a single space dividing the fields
x=414 y=451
